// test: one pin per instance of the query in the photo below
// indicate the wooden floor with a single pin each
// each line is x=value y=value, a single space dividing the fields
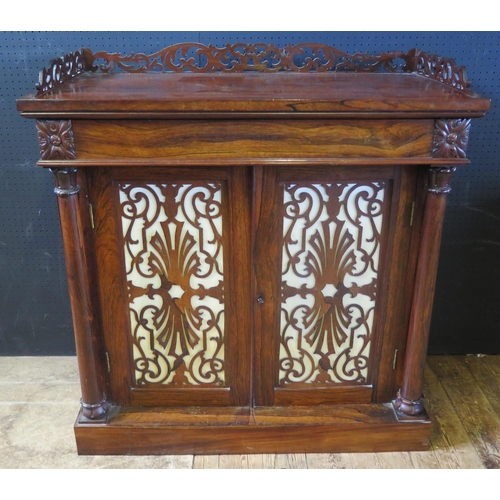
x=38 y=405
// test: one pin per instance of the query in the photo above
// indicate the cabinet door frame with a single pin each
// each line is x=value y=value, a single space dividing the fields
x=236 y=189
x=389 y=327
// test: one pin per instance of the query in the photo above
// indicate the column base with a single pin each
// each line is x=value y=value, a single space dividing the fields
x=408 y=407
x=95 y=413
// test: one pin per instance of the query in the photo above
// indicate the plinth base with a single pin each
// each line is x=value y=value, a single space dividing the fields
x=218 y=431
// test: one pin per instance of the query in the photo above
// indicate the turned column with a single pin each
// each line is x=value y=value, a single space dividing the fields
x=409 y=399
x=56 y=143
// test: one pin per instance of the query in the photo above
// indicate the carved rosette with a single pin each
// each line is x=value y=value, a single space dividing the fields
x=451 y=138
x=56 y=141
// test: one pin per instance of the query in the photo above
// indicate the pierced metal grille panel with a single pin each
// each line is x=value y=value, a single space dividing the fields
x=331 y=250
x=173 y=257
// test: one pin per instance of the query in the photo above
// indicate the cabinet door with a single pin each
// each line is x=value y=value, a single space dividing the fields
x=172 y=249
x=331 y=260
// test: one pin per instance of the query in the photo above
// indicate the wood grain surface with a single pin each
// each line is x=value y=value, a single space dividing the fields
x=278 y=92
x=348 y=428
x=236 y=139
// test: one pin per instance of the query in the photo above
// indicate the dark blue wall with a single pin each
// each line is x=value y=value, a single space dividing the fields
x=34 y=309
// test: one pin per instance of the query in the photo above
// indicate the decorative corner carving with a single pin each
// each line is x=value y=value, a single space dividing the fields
x=200 y=58
x=408 y=406
x=62 y=69
x=442 y=69
x=56 y=141
x=96 y=411
x=65 y=179
x=451 y=138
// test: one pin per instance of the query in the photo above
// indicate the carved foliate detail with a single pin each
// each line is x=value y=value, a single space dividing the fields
x=65 y=180
x=451 y=138
x=439 y=68
x=331 y=250
x=56 y=141
x=173 y=252
x=63 y=69
x=197 y=57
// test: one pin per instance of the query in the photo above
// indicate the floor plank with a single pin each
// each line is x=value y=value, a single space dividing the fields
x=291 y=461
x=366 y=461
x=261 y=461
x=329 y=461
x=486 y=372
x=206 y=462
x=449 y=440
x=233 y=462
x=481 y=422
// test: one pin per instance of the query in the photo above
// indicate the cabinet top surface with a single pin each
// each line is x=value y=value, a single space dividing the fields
x=73 y=84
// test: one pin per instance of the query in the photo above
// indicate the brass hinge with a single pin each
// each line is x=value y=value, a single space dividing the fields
x=91 y=212
x=107 y=362
x=412 y=213
x=394 y=359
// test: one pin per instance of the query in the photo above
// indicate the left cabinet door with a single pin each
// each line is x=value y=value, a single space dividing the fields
x=172 y=247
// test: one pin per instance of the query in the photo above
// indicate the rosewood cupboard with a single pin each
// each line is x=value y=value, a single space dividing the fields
x=251 y=237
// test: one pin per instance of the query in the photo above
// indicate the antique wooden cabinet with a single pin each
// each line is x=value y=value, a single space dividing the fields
x=251 y=237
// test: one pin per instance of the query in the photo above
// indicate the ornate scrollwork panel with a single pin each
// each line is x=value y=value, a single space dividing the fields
x=62 y=69
x=330 y=257
x=173 y=256
x=442 y=69
x=197 y=57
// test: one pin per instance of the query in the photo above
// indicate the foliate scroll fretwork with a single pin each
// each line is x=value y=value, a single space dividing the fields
x=172 y=244
x=451 y=138
x=197 y=57
x=331 y=248
x=63 y=69
x=439 y=68
x=65 y=180
x=55 y=139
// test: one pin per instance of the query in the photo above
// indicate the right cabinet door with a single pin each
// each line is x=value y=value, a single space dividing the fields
x=333 y=269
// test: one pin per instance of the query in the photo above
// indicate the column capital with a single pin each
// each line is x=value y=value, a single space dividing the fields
x=439 y=178
x=65 y=180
